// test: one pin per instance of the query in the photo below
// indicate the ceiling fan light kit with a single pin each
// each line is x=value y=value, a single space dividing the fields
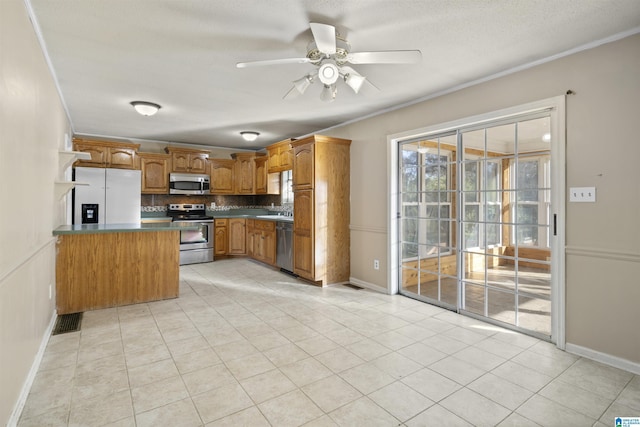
x=145 y=108
x=329 y=52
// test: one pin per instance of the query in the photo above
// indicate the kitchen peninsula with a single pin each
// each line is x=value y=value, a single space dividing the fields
x=100 y=266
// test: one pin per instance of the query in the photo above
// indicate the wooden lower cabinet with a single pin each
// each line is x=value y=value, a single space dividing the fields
x=112 y=269
x=237 y=236
x=261 y=241
x=221 y=237
x=304 y=254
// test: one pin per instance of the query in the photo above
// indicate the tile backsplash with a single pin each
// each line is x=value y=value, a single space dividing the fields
x=159 y=202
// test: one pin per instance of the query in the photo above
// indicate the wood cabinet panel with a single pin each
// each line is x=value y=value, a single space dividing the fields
x=155 y=173
x=321 y=209
x=265 y=182
x=98 y=155
x=303 y=170
x=222 y=176
x=244 y=173
x=198 y=163
x=110 y=269
x=122 y=158
x=280 y=156
x=303 y=248
x=269 y=247
x=221 y=238
x=237 y=236
x=107 y=154
x=180 y=162
x=261 y=180
x=286 y=158
x=261 y=240
x=187 y=160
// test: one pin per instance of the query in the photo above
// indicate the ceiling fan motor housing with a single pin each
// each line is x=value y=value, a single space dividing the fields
x=328 y=73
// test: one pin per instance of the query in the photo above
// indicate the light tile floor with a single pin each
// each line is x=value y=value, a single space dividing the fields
x=245 y=345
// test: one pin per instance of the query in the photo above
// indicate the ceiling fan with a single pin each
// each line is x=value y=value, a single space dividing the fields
x=330 y=53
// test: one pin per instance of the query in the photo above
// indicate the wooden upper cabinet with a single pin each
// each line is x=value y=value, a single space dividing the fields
x=107 y=154
x=222 y=176
x=265 y=182
x=155 y=172
x=244 y=172
x=303 y=169
x=261 y=175
x=280 y=156
x=187 y=160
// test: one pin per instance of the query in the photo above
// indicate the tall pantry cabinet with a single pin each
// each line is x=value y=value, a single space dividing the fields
x=321 y=209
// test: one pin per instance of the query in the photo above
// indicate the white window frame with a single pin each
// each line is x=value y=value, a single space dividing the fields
x=423 y=206
x=481 y=192
x=544 y=205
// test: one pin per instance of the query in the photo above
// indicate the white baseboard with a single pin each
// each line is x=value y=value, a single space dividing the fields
x=367 y=285
x=607 y=359
x=26 y=388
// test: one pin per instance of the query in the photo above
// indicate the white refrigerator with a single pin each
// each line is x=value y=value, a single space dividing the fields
x=112 y=196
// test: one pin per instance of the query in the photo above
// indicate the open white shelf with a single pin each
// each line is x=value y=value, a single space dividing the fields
x=66 y=159
x=63 y=187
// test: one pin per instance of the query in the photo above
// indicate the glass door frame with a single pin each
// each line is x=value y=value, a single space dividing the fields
x=556 y=108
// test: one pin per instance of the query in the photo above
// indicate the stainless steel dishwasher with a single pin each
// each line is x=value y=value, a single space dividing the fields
x=284 y=248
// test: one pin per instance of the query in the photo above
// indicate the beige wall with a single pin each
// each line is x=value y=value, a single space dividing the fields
x=603 y=150
x=32 y=130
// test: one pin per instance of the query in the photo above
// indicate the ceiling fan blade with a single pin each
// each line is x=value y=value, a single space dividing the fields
x=293 y=93
x=325 y=37
x=370 y=86
x=273 y=62
x=385 y=57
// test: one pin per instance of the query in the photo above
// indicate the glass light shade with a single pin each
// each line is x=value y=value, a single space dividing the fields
x=145 y=108
x=354 y=81
x=249 y=136
x=328 y=93
x=302 y=84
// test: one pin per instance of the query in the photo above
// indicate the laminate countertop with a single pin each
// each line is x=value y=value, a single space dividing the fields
x=119 y=228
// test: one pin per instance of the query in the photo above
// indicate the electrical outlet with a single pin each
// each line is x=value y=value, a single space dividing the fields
x=50 y=291
x=582 y=194
x=376 y=264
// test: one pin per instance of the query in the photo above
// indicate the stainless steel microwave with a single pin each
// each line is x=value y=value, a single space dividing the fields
x=188 y=183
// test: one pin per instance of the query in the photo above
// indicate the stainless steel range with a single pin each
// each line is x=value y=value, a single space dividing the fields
x=196 y=246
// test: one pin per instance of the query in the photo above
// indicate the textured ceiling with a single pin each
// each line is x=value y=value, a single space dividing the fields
x=182 y=54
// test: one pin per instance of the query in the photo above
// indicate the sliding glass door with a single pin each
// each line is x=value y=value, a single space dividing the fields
x=475 y=221
x=429 y=248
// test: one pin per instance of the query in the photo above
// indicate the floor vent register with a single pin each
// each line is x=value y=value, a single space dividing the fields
x=67 y=323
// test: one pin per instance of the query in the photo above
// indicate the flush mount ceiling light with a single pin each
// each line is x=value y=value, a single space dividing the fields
x=145 y=108
x=329 y=53
x=249 y=136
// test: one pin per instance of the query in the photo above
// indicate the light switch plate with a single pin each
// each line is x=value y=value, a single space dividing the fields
x=582 y=194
